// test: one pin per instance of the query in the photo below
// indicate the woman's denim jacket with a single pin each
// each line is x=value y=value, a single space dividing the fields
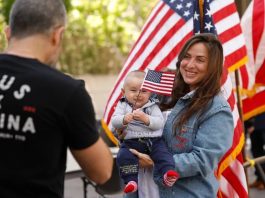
x=198 y=147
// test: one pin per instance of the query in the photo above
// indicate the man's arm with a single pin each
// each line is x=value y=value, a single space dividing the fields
x=96 y=161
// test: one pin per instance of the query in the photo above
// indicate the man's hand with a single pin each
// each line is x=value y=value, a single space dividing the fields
x=144 y=160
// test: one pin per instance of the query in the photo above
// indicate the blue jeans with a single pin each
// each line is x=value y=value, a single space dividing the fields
x=155 y=147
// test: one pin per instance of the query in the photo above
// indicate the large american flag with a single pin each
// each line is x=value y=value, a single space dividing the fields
x=159 y=82
x=168 y=27
x=253 y=73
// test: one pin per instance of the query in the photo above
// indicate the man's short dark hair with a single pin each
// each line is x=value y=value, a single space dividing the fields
x=29 y=17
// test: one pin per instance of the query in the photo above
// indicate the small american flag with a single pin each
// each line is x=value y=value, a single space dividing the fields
x=159 y=82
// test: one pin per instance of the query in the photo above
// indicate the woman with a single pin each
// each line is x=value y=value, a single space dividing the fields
x=199 y=129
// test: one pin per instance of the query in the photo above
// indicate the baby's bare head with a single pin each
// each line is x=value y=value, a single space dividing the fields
x=134 y=76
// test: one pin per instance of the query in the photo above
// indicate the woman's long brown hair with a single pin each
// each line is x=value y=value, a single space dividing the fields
x=207 y=88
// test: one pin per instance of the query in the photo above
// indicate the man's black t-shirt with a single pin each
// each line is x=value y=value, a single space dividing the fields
x=42 y=112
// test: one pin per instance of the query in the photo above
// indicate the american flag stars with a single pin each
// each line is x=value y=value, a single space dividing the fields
x=188 y=5
x=184 y=9
x=208 y=25
x=179 y=7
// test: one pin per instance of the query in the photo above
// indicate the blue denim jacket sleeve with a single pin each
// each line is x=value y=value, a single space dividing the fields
x=213 y=138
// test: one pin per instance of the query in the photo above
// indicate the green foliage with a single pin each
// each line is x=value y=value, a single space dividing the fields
x=7 y=4
x=100 y=33
x=2 y=24
x=6 y=8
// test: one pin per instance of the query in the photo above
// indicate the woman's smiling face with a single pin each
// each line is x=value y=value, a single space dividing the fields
x=193 y=66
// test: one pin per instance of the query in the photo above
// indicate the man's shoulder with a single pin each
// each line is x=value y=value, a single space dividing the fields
x=62 y=82
x=37 y=73
x=51 y=75
x=60 y=77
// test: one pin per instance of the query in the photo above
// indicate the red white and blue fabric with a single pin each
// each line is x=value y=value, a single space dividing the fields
x=168 y=27
x=253 y=73
x=159 y=82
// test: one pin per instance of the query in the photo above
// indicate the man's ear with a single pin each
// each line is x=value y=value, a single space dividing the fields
x=57 y=35
x=7 y=33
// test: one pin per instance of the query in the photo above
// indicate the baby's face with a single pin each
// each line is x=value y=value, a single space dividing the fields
x=131 y=92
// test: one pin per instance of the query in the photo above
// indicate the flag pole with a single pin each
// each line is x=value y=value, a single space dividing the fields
x=136 y=100
x=241 y=7
x=139 y=93
x=240 y=111
x=239 y=100
x=201 y=4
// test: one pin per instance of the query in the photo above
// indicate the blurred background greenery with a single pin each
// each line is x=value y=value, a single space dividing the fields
x=100 y=33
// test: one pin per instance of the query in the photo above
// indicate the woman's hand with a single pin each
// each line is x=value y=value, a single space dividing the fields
x=121 y=133
x=144 y=160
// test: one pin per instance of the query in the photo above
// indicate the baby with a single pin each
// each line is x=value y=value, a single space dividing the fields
x=141 y=120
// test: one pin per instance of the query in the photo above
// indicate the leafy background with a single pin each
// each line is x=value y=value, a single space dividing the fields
x=99 y=33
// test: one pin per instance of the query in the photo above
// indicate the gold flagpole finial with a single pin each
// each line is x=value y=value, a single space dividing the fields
x=201 y=4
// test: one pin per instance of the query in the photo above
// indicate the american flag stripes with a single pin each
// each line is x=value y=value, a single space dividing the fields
x=159 y=82
x=168 y=27
x=253 y=73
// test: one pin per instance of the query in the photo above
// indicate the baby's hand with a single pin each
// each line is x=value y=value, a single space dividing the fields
x=127 y=118
x=141 y=116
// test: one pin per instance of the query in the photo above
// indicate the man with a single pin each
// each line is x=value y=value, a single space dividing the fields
x=43 y=111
